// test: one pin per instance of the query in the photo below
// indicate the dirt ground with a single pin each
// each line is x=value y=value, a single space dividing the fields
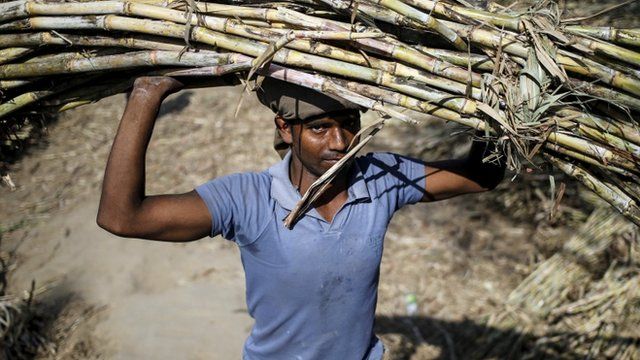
x=103 y=297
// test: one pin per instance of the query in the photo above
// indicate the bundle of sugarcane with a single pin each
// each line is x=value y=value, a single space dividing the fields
x=534 y=83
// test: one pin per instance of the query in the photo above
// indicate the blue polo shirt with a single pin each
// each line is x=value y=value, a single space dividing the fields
x=312 y=290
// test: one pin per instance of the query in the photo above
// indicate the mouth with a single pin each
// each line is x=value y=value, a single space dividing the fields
x=333 y=160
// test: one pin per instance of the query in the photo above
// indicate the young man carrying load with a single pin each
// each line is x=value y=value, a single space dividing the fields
x=312 y=289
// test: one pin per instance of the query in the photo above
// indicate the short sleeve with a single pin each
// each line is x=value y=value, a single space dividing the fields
x=400 y=178
x=238 y=205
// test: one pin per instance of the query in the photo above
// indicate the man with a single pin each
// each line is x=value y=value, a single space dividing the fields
x=312 y=290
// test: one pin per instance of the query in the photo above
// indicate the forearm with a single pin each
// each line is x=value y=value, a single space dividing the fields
x=449 y=178
x=123 y=188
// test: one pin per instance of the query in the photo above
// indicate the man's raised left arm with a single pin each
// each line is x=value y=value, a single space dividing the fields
x=449 y=178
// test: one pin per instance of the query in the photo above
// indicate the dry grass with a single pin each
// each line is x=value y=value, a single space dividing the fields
x=22 y=326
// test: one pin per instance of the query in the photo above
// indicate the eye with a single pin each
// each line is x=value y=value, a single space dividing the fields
x=318 y=128
x=351 y=123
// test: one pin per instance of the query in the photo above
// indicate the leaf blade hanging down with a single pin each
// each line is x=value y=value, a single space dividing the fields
x=542 y=54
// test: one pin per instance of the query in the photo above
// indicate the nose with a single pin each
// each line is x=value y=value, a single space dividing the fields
x=338 y=140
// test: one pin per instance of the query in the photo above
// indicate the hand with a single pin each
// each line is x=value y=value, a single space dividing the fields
x=158 y=85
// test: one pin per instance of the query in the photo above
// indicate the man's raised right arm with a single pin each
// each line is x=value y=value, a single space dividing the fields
x=125 y=210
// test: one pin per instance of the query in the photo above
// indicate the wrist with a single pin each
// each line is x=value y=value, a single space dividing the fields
x=156 y=86
x=147 y=94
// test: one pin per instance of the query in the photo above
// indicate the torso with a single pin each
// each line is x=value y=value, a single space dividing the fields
x=312 y=289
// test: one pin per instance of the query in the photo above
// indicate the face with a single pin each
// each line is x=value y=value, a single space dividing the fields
x=319 y=143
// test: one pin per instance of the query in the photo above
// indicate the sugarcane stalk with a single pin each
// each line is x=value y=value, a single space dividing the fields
x=425 y=19
x=628 y=184
x=619 y=36
x=610 y=50
x=73 y=99
x=570 y=62
x=171 y=44
x=624 y=204
x=598 y=135
x=215 y=71
x=606 y=94
x=605 y=155
x=398 y=69
x=10 y=54
x=23 y=9
x=261 y=24
x=476 y=61
x=379 y=13
x=9 y=8
x=112 y=62
x=74 y=55
x=29 y=98
x=87 y=96
x=623 y=68
x=422 y=19
x=621 y=130
x=234 y=27
x=611 y=140
x=411 y=103
x=289 y=36
x=586 y=67
x=11 y=84
x=585 y=158
x=453 y=12
x=131 y=42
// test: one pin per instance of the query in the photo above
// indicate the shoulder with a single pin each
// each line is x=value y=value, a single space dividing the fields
x=385 y=170
x=238 y=187
x=255 y=179
x=238 y=204
x=399 y=179
x=242 y=180
x=386 y=162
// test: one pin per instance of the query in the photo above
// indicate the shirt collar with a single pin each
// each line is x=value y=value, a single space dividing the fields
x=283 y=191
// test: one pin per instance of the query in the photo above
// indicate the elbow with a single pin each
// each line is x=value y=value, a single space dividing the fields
x=113 y=225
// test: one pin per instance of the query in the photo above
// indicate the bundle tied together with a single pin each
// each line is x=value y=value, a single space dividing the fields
x=535 y=83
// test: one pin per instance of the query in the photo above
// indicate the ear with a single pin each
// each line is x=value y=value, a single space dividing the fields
x=284 y=128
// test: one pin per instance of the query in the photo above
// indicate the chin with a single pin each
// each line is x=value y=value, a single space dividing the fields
x=320 y=171
x=326 y=168
x=317 y=169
